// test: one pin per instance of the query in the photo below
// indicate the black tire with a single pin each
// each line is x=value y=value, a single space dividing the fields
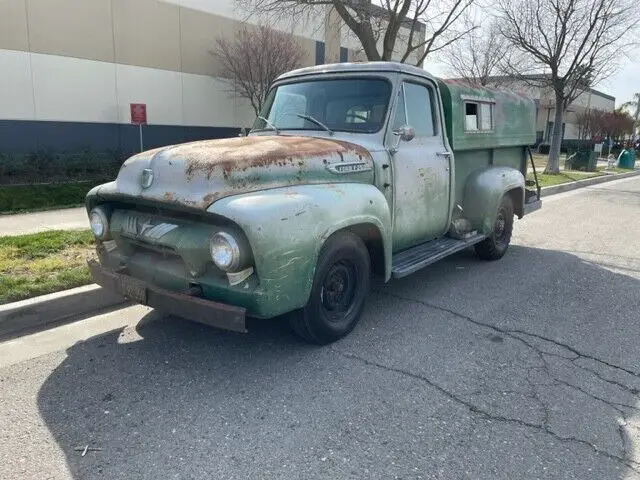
x=495 y=245
x=340 y=288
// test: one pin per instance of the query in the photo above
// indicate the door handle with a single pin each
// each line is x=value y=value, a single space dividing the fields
x=444 y=154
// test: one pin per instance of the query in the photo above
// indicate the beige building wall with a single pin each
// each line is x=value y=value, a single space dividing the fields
x=333 y=37
x=147 y=33
x=87 y=60
x=71 y=28
x=13 y=25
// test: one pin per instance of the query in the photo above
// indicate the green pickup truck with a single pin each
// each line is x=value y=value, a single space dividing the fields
x=351 y=170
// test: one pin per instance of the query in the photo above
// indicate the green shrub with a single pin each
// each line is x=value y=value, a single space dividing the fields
x=22 y=198
x=47 y=166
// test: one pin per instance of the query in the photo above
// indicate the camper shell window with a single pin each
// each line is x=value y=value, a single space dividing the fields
x=478 y=116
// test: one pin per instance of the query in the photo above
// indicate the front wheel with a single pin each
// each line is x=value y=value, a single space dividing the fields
x=495 y=245
x=340 y=288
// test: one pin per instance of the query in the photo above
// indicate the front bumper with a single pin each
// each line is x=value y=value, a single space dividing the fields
x=215 y=314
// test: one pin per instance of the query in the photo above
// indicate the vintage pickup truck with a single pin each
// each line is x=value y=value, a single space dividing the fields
x=350 y=170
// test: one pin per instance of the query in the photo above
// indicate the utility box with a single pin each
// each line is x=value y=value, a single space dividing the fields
x=584 y=159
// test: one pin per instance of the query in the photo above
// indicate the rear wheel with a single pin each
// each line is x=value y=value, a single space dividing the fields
x=340 y=287
x=495 y=245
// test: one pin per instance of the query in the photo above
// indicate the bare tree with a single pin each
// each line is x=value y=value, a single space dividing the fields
x=634 y=106
x=584 y=121
x=254 y=58
x=480 y=57
x=569 y=46
x=386 y=29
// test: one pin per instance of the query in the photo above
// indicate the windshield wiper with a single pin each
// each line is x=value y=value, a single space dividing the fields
x=317 y=122
x=269 y=124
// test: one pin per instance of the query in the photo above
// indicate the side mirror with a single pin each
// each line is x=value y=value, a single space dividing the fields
x=405 y=133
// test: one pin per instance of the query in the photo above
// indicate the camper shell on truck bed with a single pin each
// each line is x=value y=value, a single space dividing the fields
x=350 y=170
x=487 y=127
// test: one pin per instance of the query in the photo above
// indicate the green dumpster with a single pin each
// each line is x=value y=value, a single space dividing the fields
x=627 y=159
x=583 y=159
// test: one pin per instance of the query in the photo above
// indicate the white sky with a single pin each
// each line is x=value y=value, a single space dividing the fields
x=622 y=85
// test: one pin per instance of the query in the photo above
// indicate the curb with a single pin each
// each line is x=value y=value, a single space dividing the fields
x=54 y=308
x=567 y=187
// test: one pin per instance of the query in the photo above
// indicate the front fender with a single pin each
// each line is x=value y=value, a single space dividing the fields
x=483 y=191
x=286 y=227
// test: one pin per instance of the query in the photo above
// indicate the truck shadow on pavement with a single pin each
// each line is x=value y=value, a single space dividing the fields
x=528 y=367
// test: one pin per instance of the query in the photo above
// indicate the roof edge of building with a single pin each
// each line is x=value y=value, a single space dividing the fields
x=533 y=77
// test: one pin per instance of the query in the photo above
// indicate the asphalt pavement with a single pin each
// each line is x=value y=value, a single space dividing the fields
x=525 y=368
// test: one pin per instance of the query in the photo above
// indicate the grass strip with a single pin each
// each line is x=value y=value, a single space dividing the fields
x=41 y=263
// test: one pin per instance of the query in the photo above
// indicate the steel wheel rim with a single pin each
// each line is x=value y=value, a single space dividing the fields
x=338 y=290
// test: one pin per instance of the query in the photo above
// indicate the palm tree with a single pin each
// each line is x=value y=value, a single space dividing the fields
x=634 y=106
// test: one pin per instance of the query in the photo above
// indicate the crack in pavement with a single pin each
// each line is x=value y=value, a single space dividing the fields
x=635 y=466
x=568 y=347
x=513 y=334
x=633 y=391
x=544 y=425
x=609 y=403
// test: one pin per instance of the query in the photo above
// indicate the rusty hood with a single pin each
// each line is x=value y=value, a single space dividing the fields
x=197 y=174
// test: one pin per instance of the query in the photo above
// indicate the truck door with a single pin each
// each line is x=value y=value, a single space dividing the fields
x=421 y=167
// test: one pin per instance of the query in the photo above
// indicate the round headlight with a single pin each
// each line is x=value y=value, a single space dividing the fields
x=225 y=251
x=99 y=223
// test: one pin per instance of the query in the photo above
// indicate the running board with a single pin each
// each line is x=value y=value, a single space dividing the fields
x=420 y=256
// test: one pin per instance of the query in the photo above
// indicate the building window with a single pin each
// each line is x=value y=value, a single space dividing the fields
x=319 y=53
x=478 y=117
x=344 y=55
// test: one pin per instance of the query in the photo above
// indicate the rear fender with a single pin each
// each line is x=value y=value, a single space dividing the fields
x=286 y=228
x=483 y=192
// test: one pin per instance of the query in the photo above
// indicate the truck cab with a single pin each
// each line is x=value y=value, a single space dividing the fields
x=350 y=170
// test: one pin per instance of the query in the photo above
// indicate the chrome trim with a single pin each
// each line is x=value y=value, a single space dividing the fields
x=341 y=168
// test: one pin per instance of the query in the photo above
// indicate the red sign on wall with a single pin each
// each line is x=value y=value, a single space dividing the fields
x=138 y=113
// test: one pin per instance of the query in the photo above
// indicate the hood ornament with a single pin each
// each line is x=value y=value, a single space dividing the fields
x=146 y=178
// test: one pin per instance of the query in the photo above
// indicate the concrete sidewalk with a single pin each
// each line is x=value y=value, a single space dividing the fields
x=65 y=219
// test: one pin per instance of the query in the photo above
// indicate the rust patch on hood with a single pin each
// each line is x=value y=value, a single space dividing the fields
x=209 y=198
x=242 y=153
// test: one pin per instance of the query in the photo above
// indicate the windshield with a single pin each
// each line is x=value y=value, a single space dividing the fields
x=345 y=105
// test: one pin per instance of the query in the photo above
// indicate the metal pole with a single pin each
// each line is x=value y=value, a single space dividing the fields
x=141 y=145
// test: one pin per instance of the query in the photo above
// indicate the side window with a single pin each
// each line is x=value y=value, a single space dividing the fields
x=478 y=117
x=471 y=117
x=486 y=116
x=418 y=104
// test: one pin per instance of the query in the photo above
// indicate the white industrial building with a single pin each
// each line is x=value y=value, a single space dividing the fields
x=71 y=68
x=590 y=99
